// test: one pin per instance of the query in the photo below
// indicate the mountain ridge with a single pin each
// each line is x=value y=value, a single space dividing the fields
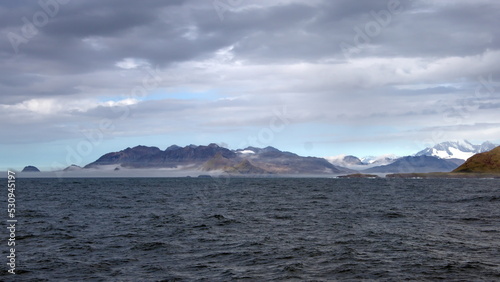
x=415 y=164
x=215 y=158
x=443 y=157
x=486 y=162
x=461 y=149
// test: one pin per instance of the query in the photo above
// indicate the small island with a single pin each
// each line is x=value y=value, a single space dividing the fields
x=359 y=175
x=30 y=168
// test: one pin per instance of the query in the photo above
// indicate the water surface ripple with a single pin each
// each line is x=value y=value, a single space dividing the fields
x=188 y=229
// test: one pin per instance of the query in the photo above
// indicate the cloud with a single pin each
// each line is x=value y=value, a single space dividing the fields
x=178 y=67
x=131 y=63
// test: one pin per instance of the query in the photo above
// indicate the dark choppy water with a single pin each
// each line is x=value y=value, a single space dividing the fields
x=257 y=229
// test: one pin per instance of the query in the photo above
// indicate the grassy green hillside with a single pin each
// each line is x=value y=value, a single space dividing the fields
x=487 y=162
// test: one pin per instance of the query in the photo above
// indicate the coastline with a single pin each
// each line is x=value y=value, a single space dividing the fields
x=444 y=175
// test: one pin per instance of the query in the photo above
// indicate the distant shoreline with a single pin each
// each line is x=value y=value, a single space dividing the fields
x=195 y=175
x=444 y=175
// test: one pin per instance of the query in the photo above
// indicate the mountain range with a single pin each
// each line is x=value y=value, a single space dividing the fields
x=356 y=163
x=443 y=157
x=250 y=160
x=410 y=164
x=456 y=150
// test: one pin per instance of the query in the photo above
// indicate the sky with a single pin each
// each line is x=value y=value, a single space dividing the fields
x=320 y=78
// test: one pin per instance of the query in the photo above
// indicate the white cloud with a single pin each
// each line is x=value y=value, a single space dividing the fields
x=39 y=106
x=124 y=102
x=131 y=63
x=59 y=106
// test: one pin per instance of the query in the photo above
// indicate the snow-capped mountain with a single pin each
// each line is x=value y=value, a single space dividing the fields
x=379 y=160
x=456 y=150
x=344 y=160
x=353 y=162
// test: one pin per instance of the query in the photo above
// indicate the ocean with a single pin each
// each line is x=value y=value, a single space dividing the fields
x=256 y=229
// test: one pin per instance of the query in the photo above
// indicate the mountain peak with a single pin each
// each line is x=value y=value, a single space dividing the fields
x=466 y=144
x=30 y=168
x=270 y=149
x=461 y=149
x=245 y=167
x=172 y=147
x=72 y=167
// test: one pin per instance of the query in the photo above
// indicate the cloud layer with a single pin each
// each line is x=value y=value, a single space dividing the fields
x=348 y=73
